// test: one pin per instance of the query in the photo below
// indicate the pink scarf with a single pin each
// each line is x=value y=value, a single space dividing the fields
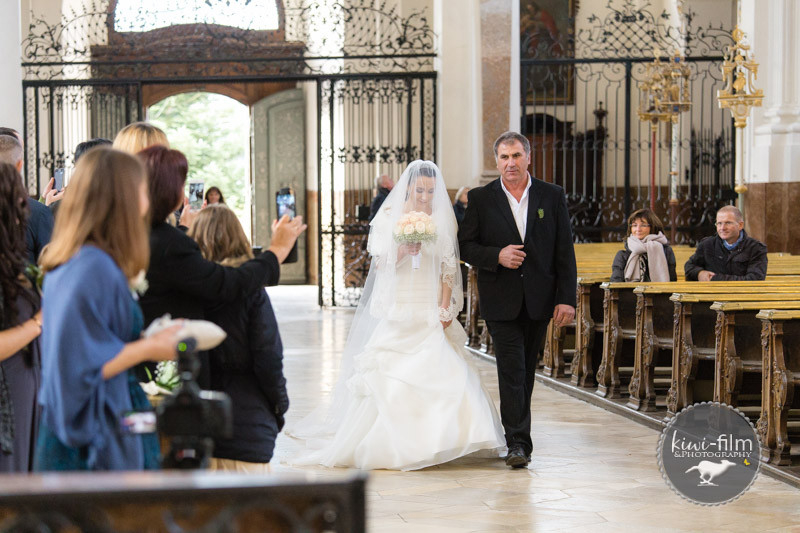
x=652 y=245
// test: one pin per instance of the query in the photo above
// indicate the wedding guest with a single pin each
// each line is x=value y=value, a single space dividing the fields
x=180 y=281
x=214 y=196
x=20 y=326
x=85 y=146
x=52 y=197
x=248 y=365
x=383 y=184
x=647 y=255
x=137 y=136
x=460 y=205
x=91 y=341
x=730 y=255
x=40 y=220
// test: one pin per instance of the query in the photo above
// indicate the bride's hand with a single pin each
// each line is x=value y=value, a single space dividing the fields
x=412 y=248
x=444 y=324
x=408 y=249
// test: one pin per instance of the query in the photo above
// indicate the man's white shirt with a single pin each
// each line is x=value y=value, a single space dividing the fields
x=519 y=209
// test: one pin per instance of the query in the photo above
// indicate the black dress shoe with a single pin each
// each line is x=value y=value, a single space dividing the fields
x=516 y=458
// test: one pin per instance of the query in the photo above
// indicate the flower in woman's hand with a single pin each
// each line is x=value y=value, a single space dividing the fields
x=409 y=229
x=139 y=284
x=420 y=227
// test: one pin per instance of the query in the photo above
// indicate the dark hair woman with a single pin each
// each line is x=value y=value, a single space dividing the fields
x=180 y=281
x=647 y=255
x=20 y=326
x=214 y=196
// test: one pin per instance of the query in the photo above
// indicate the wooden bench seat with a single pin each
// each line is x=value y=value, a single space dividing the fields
x=694 y=315
x=622 y=307
x=779 y=423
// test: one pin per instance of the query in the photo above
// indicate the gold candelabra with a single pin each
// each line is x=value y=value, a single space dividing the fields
x=664 y=95
x=739 y=72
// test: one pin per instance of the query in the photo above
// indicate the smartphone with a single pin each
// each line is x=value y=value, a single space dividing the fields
x=58 y=175
x=138 y=422
x=196 y=188
x=286 y=204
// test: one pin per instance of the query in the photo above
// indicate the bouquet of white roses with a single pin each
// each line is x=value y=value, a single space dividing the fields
x=415 y=227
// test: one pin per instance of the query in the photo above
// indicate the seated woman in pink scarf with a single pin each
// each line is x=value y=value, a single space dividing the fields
x=647 y=255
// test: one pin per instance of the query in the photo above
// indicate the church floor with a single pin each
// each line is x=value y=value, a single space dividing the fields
x=592 y=470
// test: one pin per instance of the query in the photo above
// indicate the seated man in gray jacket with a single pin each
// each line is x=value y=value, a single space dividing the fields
x=730 y=255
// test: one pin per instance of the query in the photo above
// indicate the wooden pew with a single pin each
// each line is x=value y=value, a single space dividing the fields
x=590 y=340
x=183 y=501
x=780 y=344
x=619 y=319
x=623 y=307
x=738 y=336
x=696 y=342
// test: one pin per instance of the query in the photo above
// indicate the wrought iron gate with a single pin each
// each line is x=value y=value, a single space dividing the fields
x=368 y=126
x=372 y=64
x=59 y=114
x=579 y=102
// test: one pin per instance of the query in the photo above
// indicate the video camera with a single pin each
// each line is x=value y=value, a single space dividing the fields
x=192 y=418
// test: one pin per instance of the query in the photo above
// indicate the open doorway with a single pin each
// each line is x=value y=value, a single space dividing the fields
x=212 y=130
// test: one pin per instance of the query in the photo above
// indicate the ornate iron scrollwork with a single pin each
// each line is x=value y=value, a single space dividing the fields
x=353 y=36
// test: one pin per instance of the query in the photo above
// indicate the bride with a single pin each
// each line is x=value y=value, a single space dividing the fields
x=406 y=396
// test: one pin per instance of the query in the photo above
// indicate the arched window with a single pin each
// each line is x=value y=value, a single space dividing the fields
x=147 y=15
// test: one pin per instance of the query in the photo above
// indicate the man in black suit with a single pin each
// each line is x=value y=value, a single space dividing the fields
x=516 y=233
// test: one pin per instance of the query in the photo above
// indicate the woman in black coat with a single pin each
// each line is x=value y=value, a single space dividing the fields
x=248 y=365
x=180 y=281
x=647 y=256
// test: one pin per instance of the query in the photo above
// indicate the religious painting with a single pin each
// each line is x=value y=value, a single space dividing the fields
x=547 y=31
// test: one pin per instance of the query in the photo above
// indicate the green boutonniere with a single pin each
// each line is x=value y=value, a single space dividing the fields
x=541 y=213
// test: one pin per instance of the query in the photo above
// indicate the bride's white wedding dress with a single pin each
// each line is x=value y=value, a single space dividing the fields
x=411 y=398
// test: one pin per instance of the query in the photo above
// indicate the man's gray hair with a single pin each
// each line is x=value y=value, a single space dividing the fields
x=379 y=180
x=732 y=209
x=510 y=137
x=10 y=150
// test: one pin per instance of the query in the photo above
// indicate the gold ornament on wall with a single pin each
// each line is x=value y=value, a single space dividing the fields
x=739 y=72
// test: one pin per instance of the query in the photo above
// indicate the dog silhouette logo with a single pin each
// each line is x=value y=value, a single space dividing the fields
x=709 y=471
x=709 y=453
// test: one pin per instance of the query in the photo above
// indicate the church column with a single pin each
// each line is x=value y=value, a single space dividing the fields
x=459 y=142
x=498 y=64
x=772 y=165
x=10 y=70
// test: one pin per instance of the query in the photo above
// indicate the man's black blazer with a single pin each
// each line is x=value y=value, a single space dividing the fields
x=548 y=275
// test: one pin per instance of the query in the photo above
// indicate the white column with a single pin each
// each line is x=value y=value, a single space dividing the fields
x=776 y=129
x=459 y=148
x=10 y=70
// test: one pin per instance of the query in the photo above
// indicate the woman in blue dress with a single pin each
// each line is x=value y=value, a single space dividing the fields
x=91 y=341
